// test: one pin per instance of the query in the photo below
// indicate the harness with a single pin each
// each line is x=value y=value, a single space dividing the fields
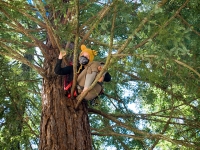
x=68 y=80
x=67 y=87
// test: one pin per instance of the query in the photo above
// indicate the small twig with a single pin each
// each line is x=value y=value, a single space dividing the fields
x=187 y=24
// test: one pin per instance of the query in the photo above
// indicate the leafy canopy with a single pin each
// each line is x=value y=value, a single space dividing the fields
x=151 y=49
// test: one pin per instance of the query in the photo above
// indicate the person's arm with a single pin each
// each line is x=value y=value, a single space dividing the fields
x=62 y=71
x=89 y=79
x=107 y=77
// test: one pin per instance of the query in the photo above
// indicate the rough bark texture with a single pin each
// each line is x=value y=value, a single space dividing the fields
x=62 y=127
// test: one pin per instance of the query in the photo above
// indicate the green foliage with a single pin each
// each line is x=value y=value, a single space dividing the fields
x=20 y=107
x=154 y=67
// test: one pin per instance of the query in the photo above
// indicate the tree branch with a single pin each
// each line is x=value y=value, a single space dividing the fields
x=19 y=28
x=164 y=129
x=187 y=66
x=110 y=133
x=13 y=54
x=142 y=23
x=187 y=24
x=23 y=12
x=50 y=31
x=76 y=47
x=82 y=95
x=143 y=133
x=99 y=17
x=161 y=27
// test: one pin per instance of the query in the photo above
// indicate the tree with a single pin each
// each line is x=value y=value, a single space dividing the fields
x=19 y=124
x=151 y=51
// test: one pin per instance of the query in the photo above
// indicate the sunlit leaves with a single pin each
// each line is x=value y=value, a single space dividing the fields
x=150 y=90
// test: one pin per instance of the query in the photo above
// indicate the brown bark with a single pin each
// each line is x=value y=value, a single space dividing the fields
x=62 y=127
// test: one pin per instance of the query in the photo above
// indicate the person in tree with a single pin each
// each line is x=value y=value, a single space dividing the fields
x=87 y=72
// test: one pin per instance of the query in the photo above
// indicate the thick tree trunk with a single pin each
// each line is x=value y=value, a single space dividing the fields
x=62 y=127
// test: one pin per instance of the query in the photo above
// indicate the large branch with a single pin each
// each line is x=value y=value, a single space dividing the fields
x=13 y=54
x=20 y=29
x=143 y=133
x=24 y=13
x=177 y=96
x=156 y=56
x=15 y=42
x=50 y=30
x=187 y=24
x=110 y=133
x=80 y=97
x=159 y=114
x=140 y=26
x=99 y=17
x=187 y=66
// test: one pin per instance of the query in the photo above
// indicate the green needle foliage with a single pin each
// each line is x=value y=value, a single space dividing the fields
x=20 y=106
x=151 y=49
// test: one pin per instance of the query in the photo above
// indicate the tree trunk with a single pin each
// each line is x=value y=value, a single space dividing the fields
x=62 y=127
